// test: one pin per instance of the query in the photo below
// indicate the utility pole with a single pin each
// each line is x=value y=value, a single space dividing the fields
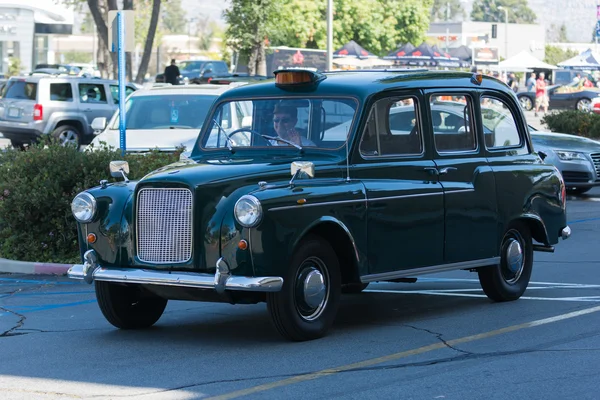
x=447 y=22
x=329 y=35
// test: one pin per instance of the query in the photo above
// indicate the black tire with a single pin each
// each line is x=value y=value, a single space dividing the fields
x=17 y=145
x=67 y=135
x=578 y=190
x=526 y=102
x=504 y=282
x=291 y=313
x=354 y=288
x=129 y=306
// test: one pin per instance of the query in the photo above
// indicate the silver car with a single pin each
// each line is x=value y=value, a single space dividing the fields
x=61 y=106
x=576 y=157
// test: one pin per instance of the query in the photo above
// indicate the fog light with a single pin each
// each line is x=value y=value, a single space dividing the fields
x=243 y=245
x=91 y=238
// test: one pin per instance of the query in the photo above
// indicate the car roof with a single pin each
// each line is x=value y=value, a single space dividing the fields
x=184 y=90
x=64 y=77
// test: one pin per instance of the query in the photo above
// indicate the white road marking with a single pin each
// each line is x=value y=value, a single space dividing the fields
x=456 y=294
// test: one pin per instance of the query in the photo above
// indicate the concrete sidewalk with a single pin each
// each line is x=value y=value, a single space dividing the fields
x=25 y=267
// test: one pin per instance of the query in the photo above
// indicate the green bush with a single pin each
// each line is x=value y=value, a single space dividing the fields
x=36 y=190
x=574 y=122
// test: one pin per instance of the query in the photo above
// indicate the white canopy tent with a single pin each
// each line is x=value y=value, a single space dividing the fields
x=362 y=62
x=523 y=62
x=586 y=60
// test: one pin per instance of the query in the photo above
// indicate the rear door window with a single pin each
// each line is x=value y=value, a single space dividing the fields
x=61 y=92
x=20 y=90
x=114 y=90
x=452 y=123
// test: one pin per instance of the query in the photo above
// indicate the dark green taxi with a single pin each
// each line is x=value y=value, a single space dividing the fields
x=311 y=185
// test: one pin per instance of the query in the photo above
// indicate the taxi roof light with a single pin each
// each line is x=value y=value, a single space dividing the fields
x=294 y=77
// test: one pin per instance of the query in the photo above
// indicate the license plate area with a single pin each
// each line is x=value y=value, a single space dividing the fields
x=14 y=112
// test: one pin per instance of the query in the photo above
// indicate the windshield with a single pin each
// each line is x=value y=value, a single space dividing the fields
x=292 y=122
x=190 y=66
x=166 y=111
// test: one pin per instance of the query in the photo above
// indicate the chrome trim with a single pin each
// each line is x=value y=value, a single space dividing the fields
x=188 y=252
x=326 y=203
x=406 y=196
x=565 y=233
x=407 y=273
x=258 y=205
x=182 y=279
x=458 y=191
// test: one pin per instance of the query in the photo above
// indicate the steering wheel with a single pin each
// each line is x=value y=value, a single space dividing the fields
x=229 y=135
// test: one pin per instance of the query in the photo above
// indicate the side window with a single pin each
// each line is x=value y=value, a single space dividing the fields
x=452 y=123
x=61 y=92
x=499 y=124
x=92 y=93
x=208 y=67
x=114 y=91
x=392 y=129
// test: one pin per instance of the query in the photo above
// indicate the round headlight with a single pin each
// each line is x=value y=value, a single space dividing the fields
x=83 y=207
x=248 y=211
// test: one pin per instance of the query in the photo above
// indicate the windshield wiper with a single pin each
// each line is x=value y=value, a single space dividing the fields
x=228 y=140
x=277 y=138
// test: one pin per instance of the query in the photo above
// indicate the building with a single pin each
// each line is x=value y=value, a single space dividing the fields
x=26 y=27
x=509 y=39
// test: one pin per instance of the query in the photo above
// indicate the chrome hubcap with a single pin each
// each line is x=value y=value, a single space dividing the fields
x=68 y=138
x=312 y=289
x=583 y=105
x=525 y=103
x=514 y=258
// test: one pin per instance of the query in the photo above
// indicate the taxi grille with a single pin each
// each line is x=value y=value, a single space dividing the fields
x=596 y=160
x=164 y=225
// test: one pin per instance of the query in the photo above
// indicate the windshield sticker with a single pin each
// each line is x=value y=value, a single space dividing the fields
x=174 y=115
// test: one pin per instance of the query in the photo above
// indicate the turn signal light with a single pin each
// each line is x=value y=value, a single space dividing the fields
x=91 y=238
x=243 y=245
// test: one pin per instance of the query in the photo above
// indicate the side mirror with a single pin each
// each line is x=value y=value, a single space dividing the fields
x=98 y=124
x=247 y=122
x=119 y=169
x=305 y=168
x=542 y=155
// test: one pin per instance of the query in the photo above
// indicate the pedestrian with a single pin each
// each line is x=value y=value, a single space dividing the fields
x=531 y=83
x=172 y=73
x=577 y=78
x=541 y=95
x=513 y=82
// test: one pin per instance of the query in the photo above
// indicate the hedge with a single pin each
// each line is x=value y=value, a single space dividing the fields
x=36 y=190
x=574 y=122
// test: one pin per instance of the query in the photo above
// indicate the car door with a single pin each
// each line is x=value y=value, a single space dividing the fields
x=405 y=217
x=468 y=182
x=560 y=100
x=93 y=101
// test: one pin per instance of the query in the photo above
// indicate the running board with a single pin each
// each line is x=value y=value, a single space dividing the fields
x=410 y=273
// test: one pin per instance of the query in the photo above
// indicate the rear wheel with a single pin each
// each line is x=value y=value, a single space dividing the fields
x=67 y=136
x=584 y=105
x=306 y=306
x=508 y=280
x=129 y=306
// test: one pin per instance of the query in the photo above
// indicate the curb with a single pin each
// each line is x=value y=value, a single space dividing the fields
x=33 y=268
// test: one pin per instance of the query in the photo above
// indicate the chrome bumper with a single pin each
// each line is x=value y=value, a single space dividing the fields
x=565 y=233
x=221 y=281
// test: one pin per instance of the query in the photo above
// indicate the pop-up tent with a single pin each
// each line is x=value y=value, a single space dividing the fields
x=522 y=62
x=401 y=51
x=353 y=49
x=586 y=60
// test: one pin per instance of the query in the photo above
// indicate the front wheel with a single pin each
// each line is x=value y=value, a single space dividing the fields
x=129 y=306
x=306 y=306
x=508 y=280
x=526 y=103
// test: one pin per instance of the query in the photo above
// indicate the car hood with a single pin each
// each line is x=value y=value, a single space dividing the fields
x=563 y=141
x=217 y=169
x=147 y=139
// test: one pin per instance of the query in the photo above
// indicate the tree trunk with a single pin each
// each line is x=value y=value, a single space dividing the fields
x=128 y=5
x=149 y=41
x=261 y=62
x=252 y=61
x=99 y=20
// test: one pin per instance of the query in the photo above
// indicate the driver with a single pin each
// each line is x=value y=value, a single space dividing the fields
x=285 y=118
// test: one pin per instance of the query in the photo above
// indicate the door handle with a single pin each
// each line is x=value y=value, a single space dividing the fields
x=88 y=110
x=432 y=170
x=445 y=170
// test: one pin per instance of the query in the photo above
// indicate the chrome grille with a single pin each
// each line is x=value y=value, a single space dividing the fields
x=164 y=225
x=596 y=160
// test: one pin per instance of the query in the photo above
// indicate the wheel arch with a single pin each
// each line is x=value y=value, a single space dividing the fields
x=337 y=234
x=537 y=227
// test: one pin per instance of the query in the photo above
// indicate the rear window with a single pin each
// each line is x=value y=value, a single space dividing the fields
x=20 y=90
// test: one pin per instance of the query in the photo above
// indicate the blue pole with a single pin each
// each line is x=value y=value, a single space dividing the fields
x=121 y=66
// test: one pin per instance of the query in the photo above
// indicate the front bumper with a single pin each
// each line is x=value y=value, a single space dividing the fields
x=221 y=281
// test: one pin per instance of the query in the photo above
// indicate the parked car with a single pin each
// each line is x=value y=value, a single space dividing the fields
x=163 y=118
x=288 y=212
x=63 y=107
x=200 y=71
x=63 y=68
x=571 y=96
x=577 y=158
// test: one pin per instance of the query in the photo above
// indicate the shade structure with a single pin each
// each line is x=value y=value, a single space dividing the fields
x=401 y=51
x=586 y=60
x=443 y=59
x=421 y=56
x=523 y=61
x=353 y=49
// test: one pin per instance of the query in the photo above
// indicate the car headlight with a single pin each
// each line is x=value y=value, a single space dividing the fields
x=83 y=207
x=570 y=155
x=248 y=211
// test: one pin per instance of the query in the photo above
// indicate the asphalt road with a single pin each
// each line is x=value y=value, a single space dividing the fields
x=439 y=338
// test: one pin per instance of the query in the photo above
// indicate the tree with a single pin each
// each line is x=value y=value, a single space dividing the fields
x=562 y=34
x=518 y=11
x=173 y=17
x=554 y=54
x=249 y=24
x=439 y=10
